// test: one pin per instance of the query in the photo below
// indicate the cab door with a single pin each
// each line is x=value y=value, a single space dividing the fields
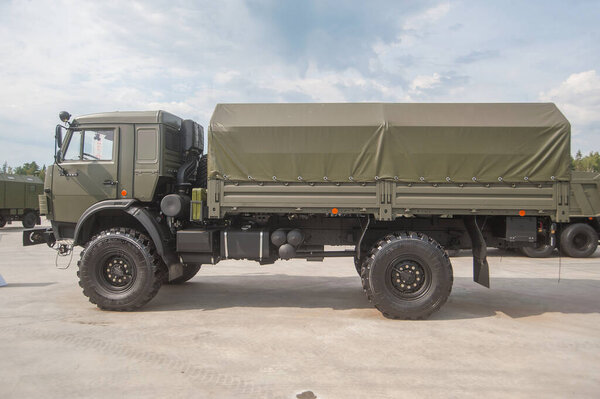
x=88 y=171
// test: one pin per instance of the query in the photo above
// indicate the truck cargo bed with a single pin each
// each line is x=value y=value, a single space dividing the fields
x=388 y=200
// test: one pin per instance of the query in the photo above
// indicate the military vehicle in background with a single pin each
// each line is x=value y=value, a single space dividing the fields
x=400 y=183
x=19 y=199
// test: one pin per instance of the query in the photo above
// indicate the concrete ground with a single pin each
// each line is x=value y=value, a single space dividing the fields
x=299 y=330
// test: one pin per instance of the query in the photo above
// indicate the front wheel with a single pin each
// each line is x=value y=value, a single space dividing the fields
x=358 y=264
x=407 y=276
x=119 y=269
x=2 y=222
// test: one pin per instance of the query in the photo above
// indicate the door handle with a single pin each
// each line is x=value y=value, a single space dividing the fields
x=110 y=182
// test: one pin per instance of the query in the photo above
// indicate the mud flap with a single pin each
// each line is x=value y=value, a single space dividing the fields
x=175 y=271
x=481 y=269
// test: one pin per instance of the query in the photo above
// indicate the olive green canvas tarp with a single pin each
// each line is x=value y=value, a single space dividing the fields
x=404 y=142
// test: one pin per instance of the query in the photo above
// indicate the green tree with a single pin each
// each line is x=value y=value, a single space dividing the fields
x=28 y=168
x=589 y=163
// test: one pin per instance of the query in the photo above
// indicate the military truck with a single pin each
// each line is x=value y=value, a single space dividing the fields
x=19 y=199
x=398 y=183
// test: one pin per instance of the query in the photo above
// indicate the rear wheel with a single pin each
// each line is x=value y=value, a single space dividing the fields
x=579 y=240
x=29 y=220
x=407 y=276
x=189 y=271
x=2 y=222
x=120 y=270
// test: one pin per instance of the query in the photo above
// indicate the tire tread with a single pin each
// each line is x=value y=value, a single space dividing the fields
x=380 y=245
x=148 y=247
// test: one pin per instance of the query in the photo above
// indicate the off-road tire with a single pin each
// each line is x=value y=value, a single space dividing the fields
x=202 y=176
x=29 y=220
x=543 y=251
x=140 y=255
x=579 y=240
x=358 y=264
x=401 y=250
x=189 y=271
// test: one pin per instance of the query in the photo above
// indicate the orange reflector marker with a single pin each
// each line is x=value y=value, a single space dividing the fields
x=123 y=193
x=521 y=212
x=591 y=218
x=334 y=211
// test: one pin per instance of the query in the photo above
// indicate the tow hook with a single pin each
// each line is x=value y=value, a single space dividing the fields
x=64 y=249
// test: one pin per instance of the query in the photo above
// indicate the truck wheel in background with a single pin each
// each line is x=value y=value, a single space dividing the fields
x=579 y=240
x=407 y=276
x=542 y=251
x=2 y=222
x=189 y=271
x=29 y=220
x=119 y=269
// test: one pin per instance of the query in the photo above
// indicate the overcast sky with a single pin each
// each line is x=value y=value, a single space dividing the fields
x=186 y=56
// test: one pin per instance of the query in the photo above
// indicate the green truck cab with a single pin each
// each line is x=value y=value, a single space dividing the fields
x=400 y=183
x=19 y=199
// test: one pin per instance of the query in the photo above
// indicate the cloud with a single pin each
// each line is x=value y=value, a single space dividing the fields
x=434 y=85
x=578 y=96
x=476 y=56
x=425 y=82
x=186 y=56
x=426 y=17
x=579 y=99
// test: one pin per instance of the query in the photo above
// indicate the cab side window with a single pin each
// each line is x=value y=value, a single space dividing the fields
x=98 y=145
x=91 y=145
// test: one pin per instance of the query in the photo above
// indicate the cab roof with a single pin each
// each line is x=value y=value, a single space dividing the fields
x=131 y=117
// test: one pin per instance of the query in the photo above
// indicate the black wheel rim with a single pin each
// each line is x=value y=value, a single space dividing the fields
x=409 y=279
x=117 y=273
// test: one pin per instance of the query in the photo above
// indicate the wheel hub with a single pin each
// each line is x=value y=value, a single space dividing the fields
x=580 y=241
x=117 y=272
x=407 y=277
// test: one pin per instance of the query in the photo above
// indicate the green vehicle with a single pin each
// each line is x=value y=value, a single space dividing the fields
x=400 y=183
x=19 y=199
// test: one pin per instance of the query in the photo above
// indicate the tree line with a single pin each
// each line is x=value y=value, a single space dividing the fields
x=28 y=168
x=588 y=163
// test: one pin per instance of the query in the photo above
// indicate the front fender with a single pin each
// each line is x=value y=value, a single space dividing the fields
x=82 y=223
x=157 y=232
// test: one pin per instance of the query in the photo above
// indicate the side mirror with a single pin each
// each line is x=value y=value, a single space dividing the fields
x=58 y=139
x=58 y=135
